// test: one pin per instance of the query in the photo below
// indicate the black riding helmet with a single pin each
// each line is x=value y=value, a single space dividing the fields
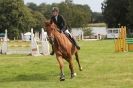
x=55 y=9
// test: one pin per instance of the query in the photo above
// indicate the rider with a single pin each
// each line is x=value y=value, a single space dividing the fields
x=60 y=22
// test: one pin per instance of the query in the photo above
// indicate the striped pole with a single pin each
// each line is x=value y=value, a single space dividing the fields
x=120 y=42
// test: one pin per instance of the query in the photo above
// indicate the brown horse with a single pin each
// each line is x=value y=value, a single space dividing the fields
x=63 y=49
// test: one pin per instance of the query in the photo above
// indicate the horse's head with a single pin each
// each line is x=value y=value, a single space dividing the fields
x=50 y=27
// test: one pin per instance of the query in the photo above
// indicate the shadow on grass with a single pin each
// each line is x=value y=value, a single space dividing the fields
x=32 y=77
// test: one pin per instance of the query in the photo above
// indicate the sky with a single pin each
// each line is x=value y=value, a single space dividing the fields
x=95 y=5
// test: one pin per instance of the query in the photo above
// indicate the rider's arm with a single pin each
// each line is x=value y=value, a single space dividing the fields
x=63 y=24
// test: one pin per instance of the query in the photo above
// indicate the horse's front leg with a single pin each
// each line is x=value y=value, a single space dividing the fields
x=71 y=66
x=61 y=64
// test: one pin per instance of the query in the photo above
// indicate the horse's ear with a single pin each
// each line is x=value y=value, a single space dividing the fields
x=51 y=22
x=47 y=23
x=53 y=25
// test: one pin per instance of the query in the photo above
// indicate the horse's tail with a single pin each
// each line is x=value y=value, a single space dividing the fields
x=77 y=59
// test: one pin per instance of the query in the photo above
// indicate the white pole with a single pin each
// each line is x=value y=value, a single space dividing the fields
x=34 y=46
x=4 y=44
x=45 y=44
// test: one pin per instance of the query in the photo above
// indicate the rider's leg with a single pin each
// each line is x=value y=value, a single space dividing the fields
x=52 y=52
x=75 y=43
x=72 y=39
x=52 y=43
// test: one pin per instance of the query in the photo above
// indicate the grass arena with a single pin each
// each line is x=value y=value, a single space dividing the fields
x=102 y=68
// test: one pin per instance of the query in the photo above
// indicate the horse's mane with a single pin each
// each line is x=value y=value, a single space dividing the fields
x=52 y=25
x=58 y=37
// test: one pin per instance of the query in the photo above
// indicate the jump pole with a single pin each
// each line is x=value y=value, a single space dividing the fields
x=4 y=47
x=45 y=43
x=34 y=46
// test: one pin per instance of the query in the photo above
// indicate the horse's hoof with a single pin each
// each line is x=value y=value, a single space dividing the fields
x=62 y=78
x=73 y=75
x=81 y=69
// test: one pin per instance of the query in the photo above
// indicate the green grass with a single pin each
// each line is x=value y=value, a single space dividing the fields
x=102 y=68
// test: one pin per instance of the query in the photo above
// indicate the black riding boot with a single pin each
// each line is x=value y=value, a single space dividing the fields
x=75 y=43
x=52 y=43
x=52 y=52
x=72 y=40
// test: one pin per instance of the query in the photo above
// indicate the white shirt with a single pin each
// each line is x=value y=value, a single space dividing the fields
x=56 y=18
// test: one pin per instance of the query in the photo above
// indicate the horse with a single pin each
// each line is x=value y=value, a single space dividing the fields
x=63 y=48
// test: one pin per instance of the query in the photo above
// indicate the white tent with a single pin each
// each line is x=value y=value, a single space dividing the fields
x=27 y=36
x=27 y=33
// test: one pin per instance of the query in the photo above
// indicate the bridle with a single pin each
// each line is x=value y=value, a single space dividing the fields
x=50 y=36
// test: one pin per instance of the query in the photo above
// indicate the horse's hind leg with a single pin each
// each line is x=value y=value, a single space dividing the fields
x=61 y=64
x=77 y=59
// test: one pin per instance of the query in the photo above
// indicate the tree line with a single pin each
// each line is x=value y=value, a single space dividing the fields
x=118 y=13
x=18 y=18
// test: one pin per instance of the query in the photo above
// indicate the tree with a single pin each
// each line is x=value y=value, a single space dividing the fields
x=87 y=32
x=75 y=15
x=12 y=13
x=97 y=17
x=115 y=12
x=18 y=18
x=68 y=1
x=130 y=14
x=32 y=6
x=39 y=20
x=45 y=9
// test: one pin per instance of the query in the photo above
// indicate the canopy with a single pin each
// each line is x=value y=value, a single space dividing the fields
x=27 y=33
